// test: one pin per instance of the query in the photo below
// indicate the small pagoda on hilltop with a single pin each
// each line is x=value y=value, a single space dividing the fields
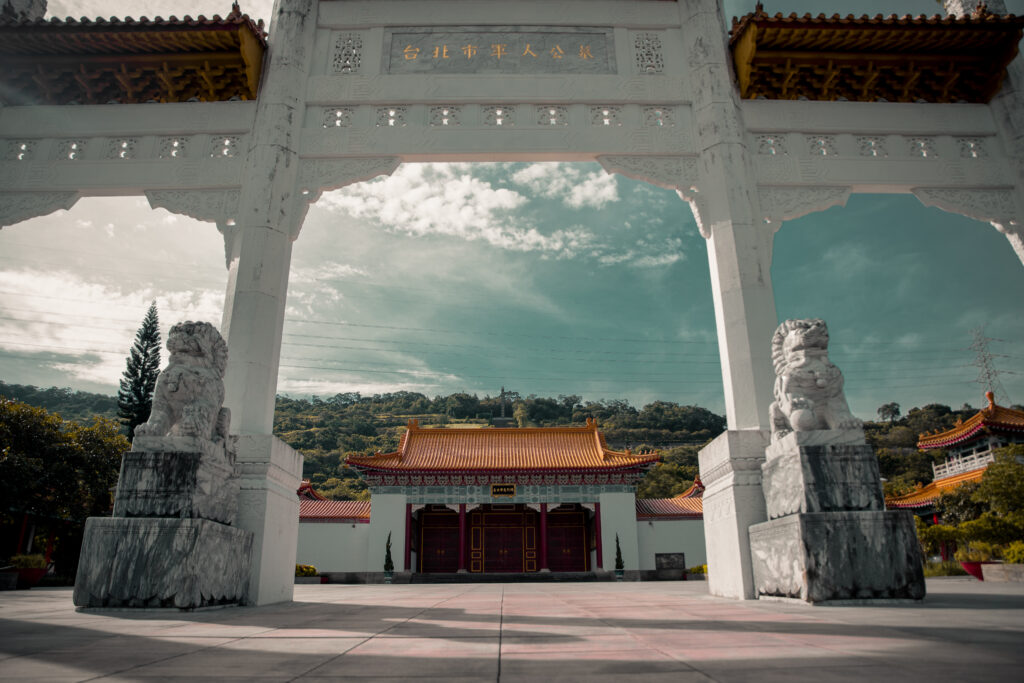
x=969 y=445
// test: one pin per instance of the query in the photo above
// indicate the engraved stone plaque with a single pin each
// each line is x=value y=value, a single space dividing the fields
x=500 y=50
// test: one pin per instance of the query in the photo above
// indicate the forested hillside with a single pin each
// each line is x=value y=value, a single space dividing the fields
x=328 y=430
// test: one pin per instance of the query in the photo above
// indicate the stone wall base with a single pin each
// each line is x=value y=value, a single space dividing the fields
x=159 y=562
x=177 y=484
x=1003 y=572
x=829 y=556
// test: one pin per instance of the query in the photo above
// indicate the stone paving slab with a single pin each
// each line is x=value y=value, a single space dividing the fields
x=965 y=630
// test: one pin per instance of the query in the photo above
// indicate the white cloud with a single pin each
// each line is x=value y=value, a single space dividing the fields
x=569 y=183
x=445 y=199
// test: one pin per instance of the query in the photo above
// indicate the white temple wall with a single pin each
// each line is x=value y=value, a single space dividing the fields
x=670 y=536
x=336 y=547
x=387 y=516
x=618 y=516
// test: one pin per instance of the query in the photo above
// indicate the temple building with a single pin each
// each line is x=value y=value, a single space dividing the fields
x=502 y=501
x=969 y=446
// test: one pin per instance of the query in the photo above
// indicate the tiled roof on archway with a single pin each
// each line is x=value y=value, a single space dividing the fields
x=127 y=61
x=869 y=59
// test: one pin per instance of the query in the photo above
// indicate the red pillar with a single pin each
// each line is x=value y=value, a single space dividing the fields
x=462 y=537
x=544 y=537
x=597 y=535
x=408 y=536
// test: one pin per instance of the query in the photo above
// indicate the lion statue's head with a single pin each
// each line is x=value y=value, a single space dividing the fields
x=199 y=339
x=797 y=335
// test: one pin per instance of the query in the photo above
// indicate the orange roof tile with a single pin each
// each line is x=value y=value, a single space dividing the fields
x=687 y=505
x=473 y=450
x=355 y=510
x=926 y=495
x=994 y=418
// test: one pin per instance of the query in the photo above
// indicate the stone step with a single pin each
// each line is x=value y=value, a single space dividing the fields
x=509 y=577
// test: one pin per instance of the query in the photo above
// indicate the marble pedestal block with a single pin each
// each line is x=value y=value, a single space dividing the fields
x=160 y=562
x=828 y=556
x=174 y=483
x=820 y=478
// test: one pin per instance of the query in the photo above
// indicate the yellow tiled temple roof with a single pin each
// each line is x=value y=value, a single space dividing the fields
x=991 y=418
x=104 y=61
x=687 y=505
x=926 y=495
x=314 y=507
x=533 y=449
x=891 y=58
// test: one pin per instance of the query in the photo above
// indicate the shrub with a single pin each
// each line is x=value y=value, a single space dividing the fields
x=1014 y=553
x=389 y=565
x=28 y=561
x=947 y=568
x=977 y=551
x=699 y=569
x=305 y=570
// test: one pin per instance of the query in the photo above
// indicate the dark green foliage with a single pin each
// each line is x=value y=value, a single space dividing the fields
x=1002 y=485
x=619 y=565
x=78 y=406
x=389 y=565
x=56 y=469
x=135 y=397
x=673 y=475
x=958 y=505
x=889 y=411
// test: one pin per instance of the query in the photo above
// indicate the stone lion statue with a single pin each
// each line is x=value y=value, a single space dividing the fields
x=190 y=391
x=808 y=387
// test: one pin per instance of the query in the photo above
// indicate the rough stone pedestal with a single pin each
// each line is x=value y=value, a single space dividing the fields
x=829 y=537
x=730 y=468
x=162 y=562
x=177 y=477
x=833 y=556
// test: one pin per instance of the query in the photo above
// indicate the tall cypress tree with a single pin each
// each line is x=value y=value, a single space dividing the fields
x=135 y=398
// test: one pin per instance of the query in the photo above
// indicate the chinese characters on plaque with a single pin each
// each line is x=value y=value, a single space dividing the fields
x=453 y=51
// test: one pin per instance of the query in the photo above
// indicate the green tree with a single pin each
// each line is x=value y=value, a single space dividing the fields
x=959 y=505
x=135 y=397
x=56 y=469
x=1002 y=485
x=889 y=411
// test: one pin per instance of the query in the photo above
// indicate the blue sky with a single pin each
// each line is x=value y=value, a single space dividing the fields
x=543 y=278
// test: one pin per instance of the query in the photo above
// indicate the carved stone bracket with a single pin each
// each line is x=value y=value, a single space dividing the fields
x=20 y=206
x=1001 y=208
x=217 y=206
x=317 y=176
x=786 y=203
x=670 y=172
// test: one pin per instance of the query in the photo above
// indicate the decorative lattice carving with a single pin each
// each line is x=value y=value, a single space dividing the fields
x=772 y=145
x=552 y=116
x=339 y=117
x=173 y=148
x=660 y=116
x=499 y=115
x=20 y=150
x=821 y=145
x=122 y=148
x=348 y=53
x=871 y=146
x=224 y=146
x=445 y=115
x=995 y=206
x=70 y=149
x=971 y=148
x=923 y=147
x=605 y=116
x=20 y=206
x=391 y=117
x=647 y=53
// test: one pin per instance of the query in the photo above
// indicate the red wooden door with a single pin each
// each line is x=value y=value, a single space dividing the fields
x=567 y=548
x=503 y=549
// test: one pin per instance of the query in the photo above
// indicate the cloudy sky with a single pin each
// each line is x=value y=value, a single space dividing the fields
x=544 y=278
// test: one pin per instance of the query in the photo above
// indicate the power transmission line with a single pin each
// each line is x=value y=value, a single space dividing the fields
x=988 y=374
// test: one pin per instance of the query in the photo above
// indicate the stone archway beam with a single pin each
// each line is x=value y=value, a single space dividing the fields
x=785 y=203
x=317 y=176
x=1000 y=207
x=20 y=206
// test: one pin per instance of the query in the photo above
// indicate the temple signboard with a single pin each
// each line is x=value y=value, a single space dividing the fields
x=457 y=50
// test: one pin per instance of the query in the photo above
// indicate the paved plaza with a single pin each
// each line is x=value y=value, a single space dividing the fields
x=671 y=631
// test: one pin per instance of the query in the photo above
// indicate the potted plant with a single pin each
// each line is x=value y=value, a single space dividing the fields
x=619 y=565
x=29 y=568
x=389 y=565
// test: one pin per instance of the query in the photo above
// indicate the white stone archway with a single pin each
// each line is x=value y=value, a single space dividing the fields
x=644 y=87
